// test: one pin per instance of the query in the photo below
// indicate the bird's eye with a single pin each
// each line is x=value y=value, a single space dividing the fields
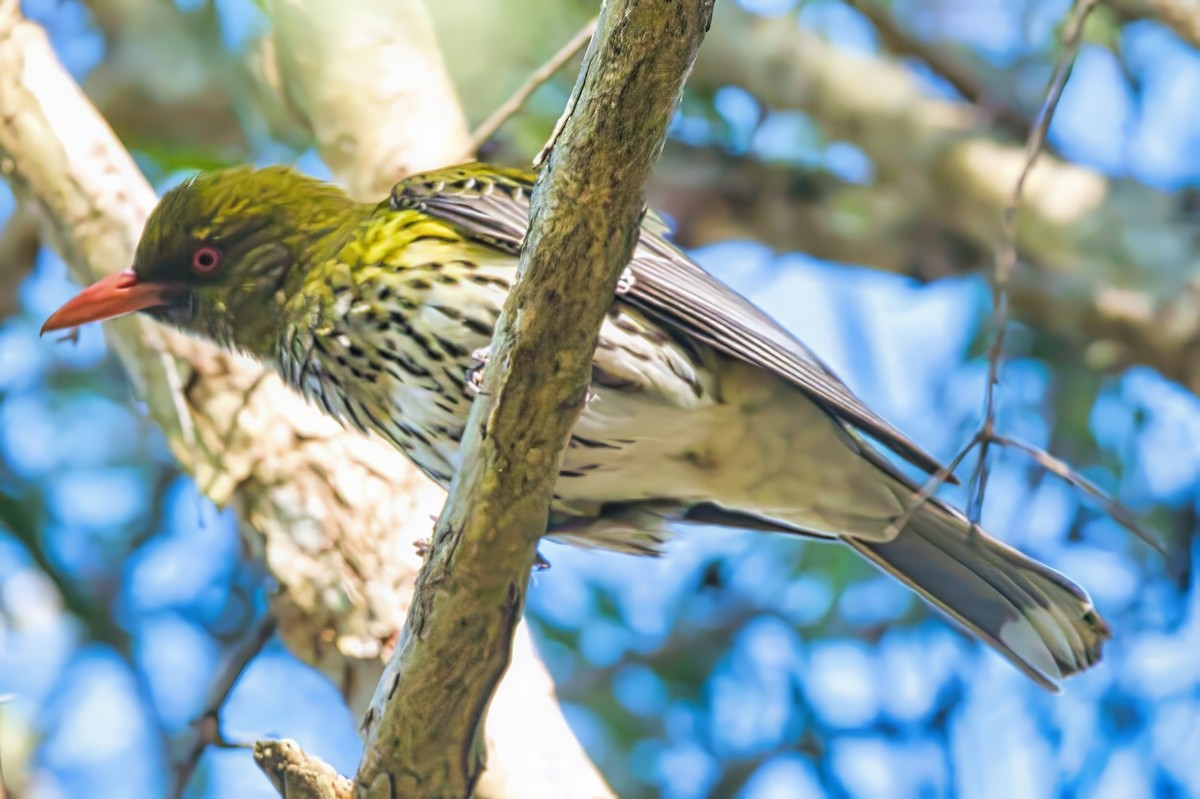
x=206 y=260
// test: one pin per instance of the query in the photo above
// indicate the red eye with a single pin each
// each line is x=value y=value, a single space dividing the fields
x=206 y=260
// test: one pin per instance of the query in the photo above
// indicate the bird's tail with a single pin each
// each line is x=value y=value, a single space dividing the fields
x=1031 y=614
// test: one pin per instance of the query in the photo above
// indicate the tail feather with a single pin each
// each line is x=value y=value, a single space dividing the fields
x=1031 y=614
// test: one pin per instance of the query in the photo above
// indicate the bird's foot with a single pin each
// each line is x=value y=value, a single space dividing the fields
x=424 y=546
x=475 y=374
x=625 y=282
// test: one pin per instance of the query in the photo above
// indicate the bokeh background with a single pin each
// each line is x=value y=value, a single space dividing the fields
x=741 y=665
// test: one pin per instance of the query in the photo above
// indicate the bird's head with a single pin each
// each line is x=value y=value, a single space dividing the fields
x=219 y=256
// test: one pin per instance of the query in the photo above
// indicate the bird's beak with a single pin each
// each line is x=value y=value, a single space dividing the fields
x=109 y=297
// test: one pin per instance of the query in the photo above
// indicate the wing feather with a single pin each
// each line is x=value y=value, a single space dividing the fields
x=492 y=204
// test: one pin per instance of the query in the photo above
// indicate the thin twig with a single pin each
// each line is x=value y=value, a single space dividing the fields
x=542 y=74
x=929 y=489
x=1061 y=469
x=206 y=729
x=1006 y=261
x=569 y=108
x=1006 y=247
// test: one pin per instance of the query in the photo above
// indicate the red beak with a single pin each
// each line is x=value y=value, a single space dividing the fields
x=107 y=298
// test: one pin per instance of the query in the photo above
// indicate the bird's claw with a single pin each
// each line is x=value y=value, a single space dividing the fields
x=475 y=374
x=424 y=546
x=625 y=282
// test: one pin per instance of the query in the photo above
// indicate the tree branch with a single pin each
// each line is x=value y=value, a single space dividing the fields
x=424 y=734
x=205 y=730
x=197 y=90
x=297 y=775
x=369 y=81
x=545 y=72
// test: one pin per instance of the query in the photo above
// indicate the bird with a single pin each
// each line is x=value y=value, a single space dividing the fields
x=702 y=409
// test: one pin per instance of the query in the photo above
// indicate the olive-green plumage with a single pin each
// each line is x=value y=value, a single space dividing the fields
x=705 y=410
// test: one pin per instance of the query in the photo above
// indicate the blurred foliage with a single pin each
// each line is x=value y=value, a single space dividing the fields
x=742 y=665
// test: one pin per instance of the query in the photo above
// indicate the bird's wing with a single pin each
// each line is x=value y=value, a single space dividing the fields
x=492 y=204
